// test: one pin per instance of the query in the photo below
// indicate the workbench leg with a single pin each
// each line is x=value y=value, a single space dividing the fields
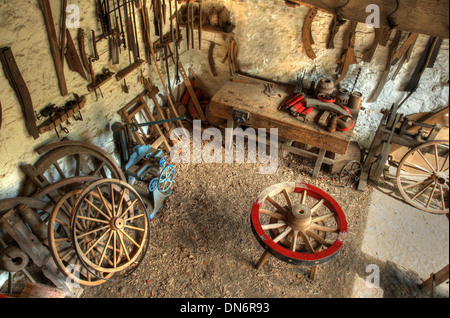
x=229 y=142
x=319 y=162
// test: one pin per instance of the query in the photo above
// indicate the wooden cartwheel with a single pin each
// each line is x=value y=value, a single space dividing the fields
x=61 y=247
x=423 y=177
x=298 y=224
x=110 y=228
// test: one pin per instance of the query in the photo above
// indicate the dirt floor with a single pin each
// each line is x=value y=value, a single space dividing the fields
x=202 y=244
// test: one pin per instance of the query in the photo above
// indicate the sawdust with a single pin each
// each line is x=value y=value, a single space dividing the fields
x=202 y=244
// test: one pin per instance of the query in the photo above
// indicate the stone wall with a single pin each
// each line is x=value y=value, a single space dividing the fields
x=268 y=35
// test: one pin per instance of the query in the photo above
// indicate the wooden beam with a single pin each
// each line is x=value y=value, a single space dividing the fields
x=423 y=17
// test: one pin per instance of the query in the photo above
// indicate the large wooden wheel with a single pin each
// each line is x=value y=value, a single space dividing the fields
x=422 y=177
x=61 y=247
x=69 y=162
x=110 y=228
x=298 y=223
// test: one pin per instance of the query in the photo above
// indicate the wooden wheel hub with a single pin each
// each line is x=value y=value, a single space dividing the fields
x=299 y=217
x=117 y=224
x=439 y=178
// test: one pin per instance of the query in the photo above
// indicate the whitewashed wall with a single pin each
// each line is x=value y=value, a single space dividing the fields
x=268 y=35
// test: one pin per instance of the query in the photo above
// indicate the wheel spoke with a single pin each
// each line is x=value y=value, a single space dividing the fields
x=93 y=219
x=276 y=205
x=130 y=238
x=444 y=164
x=122 y=244
x=412 y=165
x=304 y=197
x=441 y=189
x=322 y=217
x=294 y=241
x=105 y=248
x=275 y=215
x=324 y=228
x=425 y=159
x=273 y=226
x=105 y=203
x=422 y=191
x=283 y=235
x=97 y=241
x=97 y=209
x=317 y=206
x=93 y=231
x=307 y=242
x=414 y=184
x=431 y=195
x=318 y=238
x=132 y=204
x=288 y=199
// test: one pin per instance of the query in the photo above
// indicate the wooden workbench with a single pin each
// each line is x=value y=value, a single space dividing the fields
x=248 y=96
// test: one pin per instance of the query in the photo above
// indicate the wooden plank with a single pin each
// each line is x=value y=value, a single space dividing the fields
x=439 y=278
x=17 y=82
x=423 y=17
x=264 y=113
x=54 y=48
x=190 y=89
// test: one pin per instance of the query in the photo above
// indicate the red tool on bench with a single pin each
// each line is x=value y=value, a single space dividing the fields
x=297 y=106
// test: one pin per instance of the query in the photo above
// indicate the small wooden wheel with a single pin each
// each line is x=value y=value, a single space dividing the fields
x=350 y=173
x=61 y=247
x=422 y=177
x=298 y=223
x=110 y=228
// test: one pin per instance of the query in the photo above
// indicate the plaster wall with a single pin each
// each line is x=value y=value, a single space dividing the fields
x=268 y=35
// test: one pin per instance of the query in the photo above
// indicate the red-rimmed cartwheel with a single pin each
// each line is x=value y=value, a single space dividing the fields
x=61 y=247
x=110 y=228
x=422 y=177
x=298 y=224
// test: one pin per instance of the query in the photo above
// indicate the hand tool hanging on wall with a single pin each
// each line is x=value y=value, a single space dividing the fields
x=72 y=57
x=171 y=105
x=231 y=56
x=54 y=48
x=427 y=59
x=62 y=43
x=96 y=57
x=1 y=115
x=146 y=30
x=368 y=54
x=59 y=115
x=348 y=57
x=336 y=24
x=17 y=82
x=82 y=45
x=212 y=64
x=307 y=37
x=401 y=57
x=191 y=91
x=384 y=77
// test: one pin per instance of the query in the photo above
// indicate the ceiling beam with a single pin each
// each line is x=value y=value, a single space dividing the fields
x=417 y=16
